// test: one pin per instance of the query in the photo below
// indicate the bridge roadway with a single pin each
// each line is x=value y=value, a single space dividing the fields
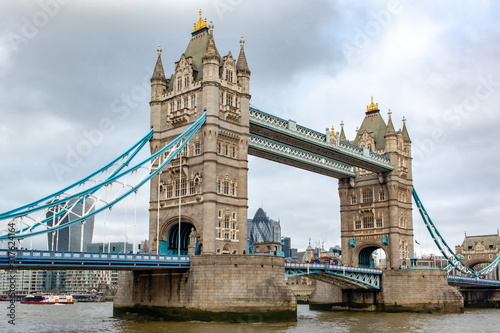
x=61 y=260
x=286 y=142
x=342 y=276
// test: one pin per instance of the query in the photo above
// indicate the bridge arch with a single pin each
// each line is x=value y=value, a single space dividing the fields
x=372 y=256
x=169 y=235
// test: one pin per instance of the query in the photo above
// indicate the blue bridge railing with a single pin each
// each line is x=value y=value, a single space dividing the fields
x=34 y=259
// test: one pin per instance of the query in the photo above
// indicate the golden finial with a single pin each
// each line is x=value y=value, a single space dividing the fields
x=202 y=23
x=342 y=124
x=332 y=131
x=158 y=49
x=404 y=120
x=372 y=106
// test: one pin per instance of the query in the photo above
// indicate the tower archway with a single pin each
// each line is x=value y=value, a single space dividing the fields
x=175 y=239
x=372 y=257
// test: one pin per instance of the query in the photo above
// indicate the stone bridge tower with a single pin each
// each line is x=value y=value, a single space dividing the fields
x=376 y=209
x=203 y=192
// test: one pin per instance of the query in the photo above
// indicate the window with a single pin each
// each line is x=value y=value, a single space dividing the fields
x=368 y=222
x=171 y=106
x=169 y=191
x=367 y=196
x=229 y=75
x=226 y=187
x=226 y=150
x=353 y=200
x=229 y=99
x=219 y=187
x=193 y=100
x=381 y=196
x=197 y=148
x=357 y=225
x=185 y=102
x=233 y=189
x=218 y=147
x=179 y=83
x=186 y=81
x=226 y=222
x=192 y=187
x=234 y=217
x=379 y=223
x=233 y=151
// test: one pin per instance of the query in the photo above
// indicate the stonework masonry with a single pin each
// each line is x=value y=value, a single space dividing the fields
x=233 y=288
x=403 y=290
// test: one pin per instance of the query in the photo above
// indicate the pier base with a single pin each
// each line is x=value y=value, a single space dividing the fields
x=403 y=290
x=234 y=288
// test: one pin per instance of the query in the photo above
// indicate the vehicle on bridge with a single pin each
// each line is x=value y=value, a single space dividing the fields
x=323 y=261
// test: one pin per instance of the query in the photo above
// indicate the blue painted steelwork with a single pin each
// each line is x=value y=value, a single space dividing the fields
x=289 y=128
x=454 y=260
x=343 y=276
x=122 y=161
x=63 y=203
x=33 y=259
x=301 y=155
x=467 y=280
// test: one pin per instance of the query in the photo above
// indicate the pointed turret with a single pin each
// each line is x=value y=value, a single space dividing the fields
x=242 y=70
x=242 y=64
x=158 y=73
x=342 y=136
x=389 y=131
x=406 y=136
x=158 y=80
x=211 y=59
x=391 y=138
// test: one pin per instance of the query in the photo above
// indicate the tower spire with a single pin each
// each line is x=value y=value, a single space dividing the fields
x=241 y=63
x=158 y=72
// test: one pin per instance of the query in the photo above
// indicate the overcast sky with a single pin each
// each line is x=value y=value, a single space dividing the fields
x=65 y=65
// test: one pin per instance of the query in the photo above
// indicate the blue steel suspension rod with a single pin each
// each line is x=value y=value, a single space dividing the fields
x=187 y=135
x=439 y=240
x=92 y=189
x=26 y=209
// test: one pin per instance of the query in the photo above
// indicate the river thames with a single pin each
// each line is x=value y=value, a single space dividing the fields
x=97 y=317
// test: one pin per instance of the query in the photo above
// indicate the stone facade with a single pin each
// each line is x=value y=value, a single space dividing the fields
x=404 y=290
x=225 y=288
x=479 y=251
x=205 y=190
x=376 y=209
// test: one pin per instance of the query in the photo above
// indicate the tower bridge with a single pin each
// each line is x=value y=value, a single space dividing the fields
x=202 y=131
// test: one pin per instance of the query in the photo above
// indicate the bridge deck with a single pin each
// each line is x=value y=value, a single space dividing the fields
x=60 y=260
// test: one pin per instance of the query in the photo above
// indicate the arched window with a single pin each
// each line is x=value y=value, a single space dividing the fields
x=367 y=196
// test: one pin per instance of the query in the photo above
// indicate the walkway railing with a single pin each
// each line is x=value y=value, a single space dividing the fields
x=34 y=259
x=290 y=128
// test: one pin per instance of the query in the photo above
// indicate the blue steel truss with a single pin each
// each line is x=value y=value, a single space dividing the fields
x=103 y=189
x=33 y=259
x=454 y=260
x=312 y=141
x=476 y=281
x=341 y=276
x=320 y=163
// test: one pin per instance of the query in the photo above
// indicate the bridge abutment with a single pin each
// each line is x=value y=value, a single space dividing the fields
x=234 y=288
x=403 y=290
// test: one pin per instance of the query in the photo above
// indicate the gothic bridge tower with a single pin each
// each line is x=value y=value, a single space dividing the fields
x=203 y=192
x=376 y=209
